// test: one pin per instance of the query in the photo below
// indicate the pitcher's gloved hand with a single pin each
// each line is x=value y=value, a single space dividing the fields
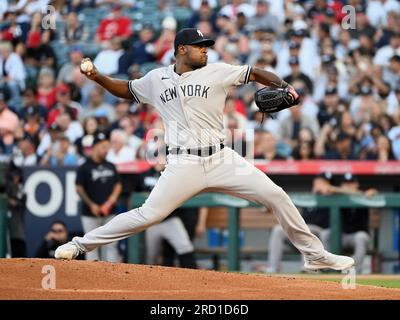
x=274 y=100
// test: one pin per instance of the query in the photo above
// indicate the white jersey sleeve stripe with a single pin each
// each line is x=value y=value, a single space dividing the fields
x=247 y=76
x=133 y=92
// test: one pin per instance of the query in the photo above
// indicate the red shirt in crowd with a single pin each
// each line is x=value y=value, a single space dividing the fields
x=48 y=100
x=114 y=27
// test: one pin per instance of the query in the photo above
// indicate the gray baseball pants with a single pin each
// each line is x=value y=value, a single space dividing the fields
x=187 y=175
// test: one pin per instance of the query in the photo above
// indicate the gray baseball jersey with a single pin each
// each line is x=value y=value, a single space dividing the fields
x=191 y=105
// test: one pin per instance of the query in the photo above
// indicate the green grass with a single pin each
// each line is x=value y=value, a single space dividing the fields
x=387 y=283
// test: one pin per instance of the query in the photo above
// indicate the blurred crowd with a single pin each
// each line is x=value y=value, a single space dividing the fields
x=344 y=64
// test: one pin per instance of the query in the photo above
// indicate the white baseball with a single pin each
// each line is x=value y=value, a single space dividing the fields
x=86 y=66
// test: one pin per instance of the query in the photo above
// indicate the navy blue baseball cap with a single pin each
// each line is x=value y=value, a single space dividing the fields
x=191 y=36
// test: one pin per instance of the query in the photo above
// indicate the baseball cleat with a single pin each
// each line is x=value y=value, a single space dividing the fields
x=330 y=261
x=68 y=251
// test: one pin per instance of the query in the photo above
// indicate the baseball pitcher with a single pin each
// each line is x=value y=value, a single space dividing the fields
x=190 y=97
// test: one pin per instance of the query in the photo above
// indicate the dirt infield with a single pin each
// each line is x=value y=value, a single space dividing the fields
x=22 y=279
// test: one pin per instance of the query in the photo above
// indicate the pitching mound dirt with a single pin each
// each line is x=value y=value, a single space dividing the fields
x=22 y=279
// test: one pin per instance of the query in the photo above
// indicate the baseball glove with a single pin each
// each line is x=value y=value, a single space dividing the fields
x=274 y=100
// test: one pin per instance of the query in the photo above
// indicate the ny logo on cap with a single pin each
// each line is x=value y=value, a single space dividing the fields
x=200 y=34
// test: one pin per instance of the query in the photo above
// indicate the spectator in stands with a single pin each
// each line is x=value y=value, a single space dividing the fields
x=263 y=17
x=242 y=23
x=137 y=126
x=84 y=144
x=39 y=51
x=378 y=12
x=345 y=45
x=390 y=75
x=102 y=121
x=205 y=12
x=296 y=74
x=114 y=25
x=330 y=77
x=363 y=24
x=64 y=104
x=30 y=103
x=305 y=48
x=382 y=37
x=16 y=199
x=355 y=222
x=148 y=116
x=231 y=10
x=329 y=106
x=121 y=110
x=383 y=55
x=48 y=139
x=57 y=236
x=165 y=42
x=69 y=125
x=304 y=151
x=13 y=30
x=8 y=124
x=74 y=30
x=394 y=136
x=120 y=151
x=97 y=104
x=266 y=146
x=365 y=47
x=33 y=38
x=24 y=153
x=290 y=126
x=231 y=106
x=305 y=148
x=317 y=220
x=130 y=125
x=375 y=146
x=343 y=149
x=231 y=45
x=143 y=48
x=126 y=60
x=98 y=184
x=33 y=126
x=360 y=104
x=47 y=91
x=61 y=153
x=12 y=72
x=80 y=87
x=66 y=72
x=134 y=72
x=366 y=82
x=107 y=59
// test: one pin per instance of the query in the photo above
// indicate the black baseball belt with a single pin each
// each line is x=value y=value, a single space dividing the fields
x=201 y=152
